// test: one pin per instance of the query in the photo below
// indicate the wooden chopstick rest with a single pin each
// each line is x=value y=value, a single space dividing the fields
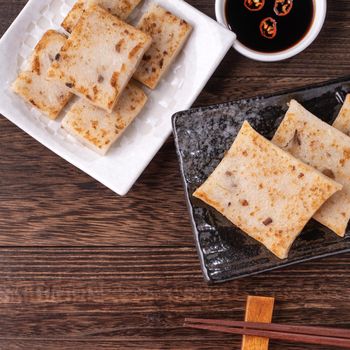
x=258 y=309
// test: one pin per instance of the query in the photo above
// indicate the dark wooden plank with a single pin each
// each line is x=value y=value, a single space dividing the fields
x=59 y=205
x=123 y=297
x=84 y=212
x=129 y=273
x=195 y=344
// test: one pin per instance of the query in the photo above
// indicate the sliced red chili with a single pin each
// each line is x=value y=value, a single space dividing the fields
x=268 y=28
x=283 y=7
x=254 y=5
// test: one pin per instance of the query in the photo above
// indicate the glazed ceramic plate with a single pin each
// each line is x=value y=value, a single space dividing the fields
x=127 y=159
x=202 y=137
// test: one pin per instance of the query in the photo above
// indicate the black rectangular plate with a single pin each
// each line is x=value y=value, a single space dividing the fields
x=203 y=135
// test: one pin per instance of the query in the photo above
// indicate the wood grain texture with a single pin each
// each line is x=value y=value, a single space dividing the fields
x=258 y=309
x=81 y=268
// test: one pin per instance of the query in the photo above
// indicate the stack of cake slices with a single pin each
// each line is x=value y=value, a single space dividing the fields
x=103 y=61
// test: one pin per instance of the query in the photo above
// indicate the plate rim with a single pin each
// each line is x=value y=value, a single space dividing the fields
x=189 y=113
x=126 y=180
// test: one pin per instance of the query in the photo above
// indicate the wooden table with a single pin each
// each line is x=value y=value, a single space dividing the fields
x=81 y=268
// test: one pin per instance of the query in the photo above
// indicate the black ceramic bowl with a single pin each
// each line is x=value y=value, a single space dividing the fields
x=202 y=135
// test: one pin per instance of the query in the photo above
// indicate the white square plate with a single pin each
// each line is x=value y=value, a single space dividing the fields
x=125 y=162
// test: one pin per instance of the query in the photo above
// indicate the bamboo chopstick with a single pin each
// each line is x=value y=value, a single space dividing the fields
x=291 y=333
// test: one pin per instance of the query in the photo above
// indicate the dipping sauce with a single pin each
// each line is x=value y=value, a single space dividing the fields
x=270 y=25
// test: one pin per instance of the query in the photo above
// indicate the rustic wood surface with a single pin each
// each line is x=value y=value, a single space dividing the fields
x=258 y=309
x=81 y=268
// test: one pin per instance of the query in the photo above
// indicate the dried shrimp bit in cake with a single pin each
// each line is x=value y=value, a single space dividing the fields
x=283 y=7
x=254 y=5
x=268 y=28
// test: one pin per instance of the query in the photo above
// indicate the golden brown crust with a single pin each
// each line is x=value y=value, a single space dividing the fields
x=82 y=65
x=120 y=8
x=32 y=85
x=73 y=16
x=169 y=34
x=258 y=187
x=317 y=143
x=206 y=198
x=98 y=129
x=342 y=122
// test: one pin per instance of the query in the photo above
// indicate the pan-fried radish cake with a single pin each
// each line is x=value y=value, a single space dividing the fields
x=265 y=191
x=74 y=15
x=342 y=122
x=32 y=85
x=120 y=8
x=169 y=34
x=100 y=57
x=327 y=149
x=98 y=129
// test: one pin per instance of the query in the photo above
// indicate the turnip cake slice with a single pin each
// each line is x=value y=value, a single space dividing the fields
x=327 y=149
x=342 y=122
x=74 y=15
x=120 y=8
x=169 y=34
x=100 y=57
x=33 y=86
x=265 y=191
x=98 y=129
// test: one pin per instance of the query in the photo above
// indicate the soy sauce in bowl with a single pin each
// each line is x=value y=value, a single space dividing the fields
x=270 y=26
